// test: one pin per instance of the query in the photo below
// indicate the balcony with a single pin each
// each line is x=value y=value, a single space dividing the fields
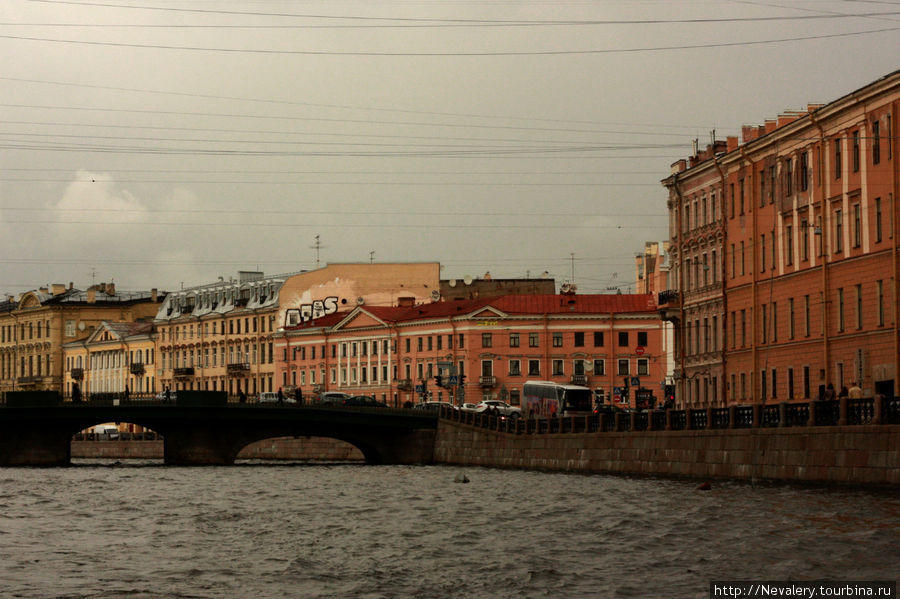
x=29 y=380
x=77 y=374
x=580 y=379
x=136 y=368
x=238 y=368
x=487 y=381
x=179 y=373
x=669 y=304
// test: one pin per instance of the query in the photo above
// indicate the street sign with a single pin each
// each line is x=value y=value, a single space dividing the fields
x=420 y=389
x=639 y=350
x=635 y=381
x=452 y=379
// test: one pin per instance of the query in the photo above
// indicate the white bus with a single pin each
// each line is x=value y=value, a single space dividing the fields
x=545 y=399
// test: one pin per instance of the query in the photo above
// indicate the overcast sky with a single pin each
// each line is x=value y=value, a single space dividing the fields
x=163 y=143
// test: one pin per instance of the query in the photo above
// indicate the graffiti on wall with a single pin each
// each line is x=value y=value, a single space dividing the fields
x=311 y=311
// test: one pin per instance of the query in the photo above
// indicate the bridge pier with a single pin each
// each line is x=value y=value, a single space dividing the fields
x=199 y=447
x=29 y=446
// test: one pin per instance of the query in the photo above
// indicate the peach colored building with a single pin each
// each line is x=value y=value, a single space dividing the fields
x=115 y=357
x=808 y=204
x=220 y=337
x=34 y=328
x=605 y=342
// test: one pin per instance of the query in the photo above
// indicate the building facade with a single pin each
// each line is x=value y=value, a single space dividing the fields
x=221 y=337
x=808 y=215
x=610 y=343
x=117 y=358
x=34 y=328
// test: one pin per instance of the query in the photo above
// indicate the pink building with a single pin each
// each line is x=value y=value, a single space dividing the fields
x=492 y=345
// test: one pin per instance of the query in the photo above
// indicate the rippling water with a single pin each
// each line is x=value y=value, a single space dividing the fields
x=144 y=530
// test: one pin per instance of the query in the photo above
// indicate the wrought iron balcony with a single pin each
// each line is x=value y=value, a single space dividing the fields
x=77 y=374
x=238 y=368
x=671 y=298
x=136 y=368
x=183 y=372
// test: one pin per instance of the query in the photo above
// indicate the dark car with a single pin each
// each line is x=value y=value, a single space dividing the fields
x=364 y=401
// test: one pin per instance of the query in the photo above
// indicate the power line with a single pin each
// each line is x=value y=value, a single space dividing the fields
x=431 y=22
x=444 y=54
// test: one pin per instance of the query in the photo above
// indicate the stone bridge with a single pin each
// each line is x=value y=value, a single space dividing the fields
x=202 y=429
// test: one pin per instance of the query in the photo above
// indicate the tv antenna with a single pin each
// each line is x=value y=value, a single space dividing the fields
x=317 y=246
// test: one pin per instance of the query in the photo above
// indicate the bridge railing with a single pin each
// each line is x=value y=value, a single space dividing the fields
x=841 y=412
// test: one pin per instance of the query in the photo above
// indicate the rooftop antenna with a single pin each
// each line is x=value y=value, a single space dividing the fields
x=371 y=256
x=317 y=246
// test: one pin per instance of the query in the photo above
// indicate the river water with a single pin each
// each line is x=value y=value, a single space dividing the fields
x=135 y=530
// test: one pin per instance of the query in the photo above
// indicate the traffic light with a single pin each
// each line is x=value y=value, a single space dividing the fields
x=462 y=379
x=439 y=381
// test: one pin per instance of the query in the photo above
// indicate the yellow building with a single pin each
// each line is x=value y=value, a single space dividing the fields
x=119 y=358
x=220 y=337
x=35 y=326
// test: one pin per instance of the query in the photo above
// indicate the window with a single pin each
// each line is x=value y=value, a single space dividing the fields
x=487 y=340
x=623 y=367
x=859 y=307
x=534 y=367
x=419 y=344
x=838 y=158
x=790 y=318
x=515 y=368
x=856 y=151
x=789 y=244
x=579 y=339
x=765 y=325
x=806 y=327
x=643 y=367
x=487 y=368
x=532 y=340
x=838 y=231
x=762 y=253
x=772 y=176
x=598 y=339
x=879 y=291
x=558 y=368
x=876 y=142
x=788 y=177
x=731 y=193
x=514 y=340
x=840 y=309
x=733 y=255
x=743 y=328
x=774 y=383
x=804 y=172
x=762 y=384
x=741 y=183
x=804 y=240
x=762 y=188
x=623 y=339
x=742 y=258
x=578 y=367
x=557 y=339
x=599 y=367
x=857 y=226
x=462 y=341
x=877 y=220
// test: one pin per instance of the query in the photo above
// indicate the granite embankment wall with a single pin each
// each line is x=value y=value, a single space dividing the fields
x=282 y=448
x=867 y=455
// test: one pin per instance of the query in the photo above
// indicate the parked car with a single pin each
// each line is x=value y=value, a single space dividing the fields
x=503 y=408
x=332 y=398
x=468 y=407
x=364 y=401
x=269 y=397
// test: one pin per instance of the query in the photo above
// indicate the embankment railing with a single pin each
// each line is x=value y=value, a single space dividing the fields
x=840 y=412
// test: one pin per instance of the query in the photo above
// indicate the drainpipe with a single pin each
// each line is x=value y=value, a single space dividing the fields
x=893 y=198
x=825 y=345
x=681 y=325
x=723 y=230
x=754 y=291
